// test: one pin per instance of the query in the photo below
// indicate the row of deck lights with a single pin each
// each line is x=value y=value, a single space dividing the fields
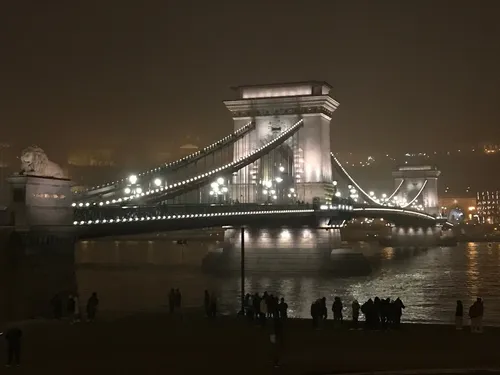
x=191 y=156
x=192 y=216
x=203 y=175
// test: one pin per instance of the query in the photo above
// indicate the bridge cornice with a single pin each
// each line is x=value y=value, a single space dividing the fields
x=279 y=106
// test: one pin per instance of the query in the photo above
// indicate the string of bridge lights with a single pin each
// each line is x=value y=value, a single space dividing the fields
x=261 y=212
x=229 y=137
x=191 y=216
x=138 y=192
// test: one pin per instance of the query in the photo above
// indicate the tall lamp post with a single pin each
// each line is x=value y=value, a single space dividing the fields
x=242 y=271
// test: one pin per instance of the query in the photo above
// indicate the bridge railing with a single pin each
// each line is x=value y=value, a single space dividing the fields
x=127 y=212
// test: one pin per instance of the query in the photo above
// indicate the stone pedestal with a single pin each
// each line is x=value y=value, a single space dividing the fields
x=279 y=250
x=37 y=249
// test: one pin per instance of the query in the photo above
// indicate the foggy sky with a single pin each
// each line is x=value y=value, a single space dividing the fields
x=407 y=74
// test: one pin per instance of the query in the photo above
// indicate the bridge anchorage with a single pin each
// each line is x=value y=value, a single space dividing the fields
x=273 y=174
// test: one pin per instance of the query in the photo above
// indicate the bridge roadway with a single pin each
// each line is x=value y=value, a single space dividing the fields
x=93 y=222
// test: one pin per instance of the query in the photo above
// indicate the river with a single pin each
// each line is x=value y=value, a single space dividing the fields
x=133 y=276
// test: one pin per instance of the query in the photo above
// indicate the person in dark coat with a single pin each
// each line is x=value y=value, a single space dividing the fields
x=459 y=315
x=13 y=337
x=92 y=304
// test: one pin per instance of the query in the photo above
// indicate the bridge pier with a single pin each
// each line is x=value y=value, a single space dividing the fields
x=288 y=250
x=37 y=249
x=400 y=236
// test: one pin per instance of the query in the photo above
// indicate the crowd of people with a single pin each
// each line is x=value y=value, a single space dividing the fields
x=257 y=307
x=476 y=312
x=378 y=313
x=73 y=307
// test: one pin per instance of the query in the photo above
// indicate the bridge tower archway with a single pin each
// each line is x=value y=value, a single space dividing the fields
x=275 y=108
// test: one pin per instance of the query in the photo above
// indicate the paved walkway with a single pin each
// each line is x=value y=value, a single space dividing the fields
x=149 y=343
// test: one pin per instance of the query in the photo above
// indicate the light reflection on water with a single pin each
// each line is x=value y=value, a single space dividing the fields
x=133 y=276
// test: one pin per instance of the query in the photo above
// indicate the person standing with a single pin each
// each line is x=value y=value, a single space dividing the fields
x=213 y=305
x=206 y=303
x=70 y=307
x=76 y=313
x=171 y=301
x=480 y=313
x=355 y=313
x=92 y=304
x=178 y=299
x=13 y=338
x=459 y=315
x=277 y=340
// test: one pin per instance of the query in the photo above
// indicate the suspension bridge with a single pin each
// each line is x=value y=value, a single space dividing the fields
x=274 y=172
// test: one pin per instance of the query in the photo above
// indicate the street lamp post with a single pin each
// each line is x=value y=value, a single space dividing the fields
x=242 y=271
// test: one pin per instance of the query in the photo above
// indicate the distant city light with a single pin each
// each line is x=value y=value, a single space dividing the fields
x=157 y=182
x=220 y=181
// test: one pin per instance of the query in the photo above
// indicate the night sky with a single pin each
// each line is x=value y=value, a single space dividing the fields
x=407 y=74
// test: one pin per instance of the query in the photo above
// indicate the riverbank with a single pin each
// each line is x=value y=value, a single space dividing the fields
x=193 y=344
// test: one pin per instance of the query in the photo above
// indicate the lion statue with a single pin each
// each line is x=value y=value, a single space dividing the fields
x=35 y=162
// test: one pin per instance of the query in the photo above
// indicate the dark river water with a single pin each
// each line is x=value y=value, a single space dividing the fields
x=133 y=276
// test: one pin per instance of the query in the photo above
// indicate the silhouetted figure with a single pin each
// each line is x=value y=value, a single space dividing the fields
x=385 y=312
x=206 y=303
x=57 y=306
x=459 y=316
x=13 y=337
x=249 y=307
x=283 y=309
x=171 y=301
x=277 y=340
x=355 y=313
x=178 y=299
x=76 y=311
x=480 y=311
x=476 y=314
x=213 y=305
x=323 y=310
x=70 y=306
x=256 y=305
x=315 y=313
x=92 y=304
x=368 y=311
x=263 y=309
x=377 y=308
x=337 y=309
x=397 y=307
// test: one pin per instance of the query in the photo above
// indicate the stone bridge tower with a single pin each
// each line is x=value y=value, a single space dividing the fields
x=301 y=168
x=412 y=179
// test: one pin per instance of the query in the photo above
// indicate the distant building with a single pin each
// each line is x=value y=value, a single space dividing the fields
x=488 y=207
x=92 y=158
x=466 y=205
